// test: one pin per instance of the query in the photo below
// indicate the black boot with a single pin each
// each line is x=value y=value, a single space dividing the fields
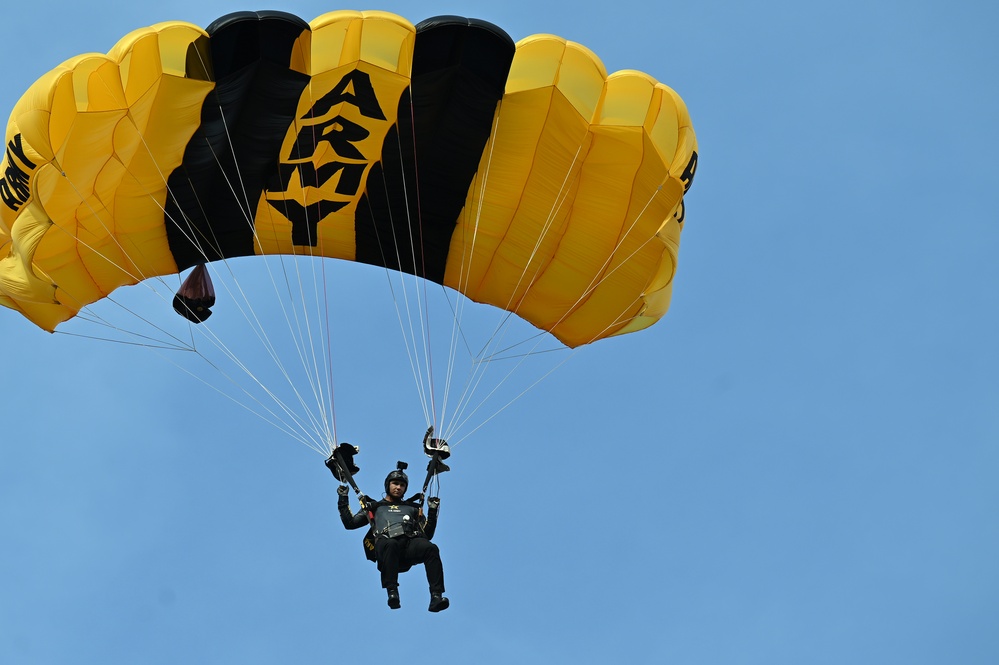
x=393 y=598
x=438 y=602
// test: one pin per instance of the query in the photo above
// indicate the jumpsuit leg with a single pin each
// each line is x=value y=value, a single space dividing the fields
x=421 y=550
x=387 y=553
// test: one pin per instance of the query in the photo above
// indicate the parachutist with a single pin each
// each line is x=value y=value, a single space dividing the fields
x=399 y=536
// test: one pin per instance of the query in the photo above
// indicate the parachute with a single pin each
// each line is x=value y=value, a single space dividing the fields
x=521 y=176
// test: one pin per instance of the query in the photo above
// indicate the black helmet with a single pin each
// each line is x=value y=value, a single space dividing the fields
x=398 y=475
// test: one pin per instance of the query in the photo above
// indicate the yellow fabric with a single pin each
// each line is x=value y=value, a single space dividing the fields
x=378 y=44
x=102 y=131
x=570 y=222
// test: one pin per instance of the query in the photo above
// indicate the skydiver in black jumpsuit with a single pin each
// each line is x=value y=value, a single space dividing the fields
x=399 y=537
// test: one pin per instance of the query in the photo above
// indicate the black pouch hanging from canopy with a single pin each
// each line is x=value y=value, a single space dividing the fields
x=196 y=296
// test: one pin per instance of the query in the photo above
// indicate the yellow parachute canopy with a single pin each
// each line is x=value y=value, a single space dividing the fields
x=521 y=175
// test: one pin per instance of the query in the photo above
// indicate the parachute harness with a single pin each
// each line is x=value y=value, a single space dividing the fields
x=437 y=450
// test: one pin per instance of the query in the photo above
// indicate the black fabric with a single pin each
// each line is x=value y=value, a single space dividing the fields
x=406 y=218
x=412 y=195
x=397 y=517
x=396 y=555
x=360 y=519
x=253 y=104
x=196 y=296
x=195 y=310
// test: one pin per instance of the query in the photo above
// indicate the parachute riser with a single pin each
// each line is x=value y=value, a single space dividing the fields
x=434 y=467
x=438 y=450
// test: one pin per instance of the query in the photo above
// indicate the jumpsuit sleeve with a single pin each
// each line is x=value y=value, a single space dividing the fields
x=351 y=521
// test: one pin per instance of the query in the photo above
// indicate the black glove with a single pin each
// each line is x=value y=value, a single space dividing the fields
x=434 y=502
x=343 y=490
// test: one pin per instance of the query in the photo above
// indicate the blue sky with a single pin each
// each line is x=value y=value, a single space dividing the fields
x=797 y=465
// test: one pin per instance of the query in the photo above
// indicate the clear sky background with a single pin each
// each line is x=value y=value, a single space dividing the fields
x=797 y=465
